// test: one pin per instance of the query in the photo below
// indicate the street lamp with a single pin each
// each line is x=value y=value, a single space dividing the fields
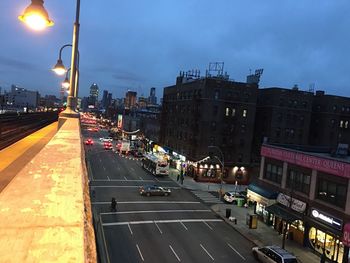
x=60 y=69
x=66 y=83
x=222 y=163
x=37 y=17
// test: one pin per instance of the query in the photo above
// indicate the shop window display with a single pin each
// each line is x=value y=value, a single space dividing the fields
x=321 y=241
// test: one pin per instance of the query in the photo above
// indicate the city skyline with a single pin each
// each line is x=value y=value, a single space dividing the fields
x=137 y=46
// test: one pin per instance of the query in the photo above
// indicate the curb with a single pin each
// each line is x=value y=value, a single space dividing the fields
x=236 y=229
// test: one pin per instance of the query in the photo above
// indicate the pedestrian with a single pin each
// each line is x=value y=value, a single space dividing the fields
x=178 y=177
x=113 y=205
x=323 y=257
x=182 y=179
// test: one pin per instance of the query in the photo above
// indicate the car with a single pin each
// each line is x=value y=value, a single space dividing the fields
x=232 y=197
x=108 y=145
x=89 y=142
x=106 y=139
x=149 y=190
x=138 y=154
x=272 y=254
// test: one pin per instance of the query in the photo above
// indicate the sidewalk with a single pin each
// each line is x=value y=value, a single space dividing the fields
x=261 y=236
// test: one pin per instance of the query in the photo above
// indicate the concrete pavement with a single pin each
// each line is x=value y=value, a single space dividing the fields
x=261 y=236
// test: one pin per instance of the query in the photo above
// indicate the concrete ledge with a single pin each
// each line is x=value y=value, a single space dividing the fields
x=43 y=215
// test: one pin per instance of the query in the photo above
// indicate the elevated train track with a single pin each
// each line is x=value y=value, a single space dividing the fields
x=14 y=126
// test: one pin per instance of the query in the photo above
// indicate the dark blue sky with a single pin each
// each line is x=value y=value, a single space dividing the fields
x=141 y=44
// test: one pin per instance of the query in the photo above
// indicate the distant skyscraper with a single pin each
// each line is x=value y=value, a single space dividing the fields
x=104 y=99
x=93 y=98
x=130 y=99
x=109 y=100
x=152 y=99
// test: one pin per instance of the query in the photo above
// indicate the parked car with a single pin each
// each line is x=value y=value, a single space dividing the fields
x=106 y=139
x=138 y=154
x=149 y=190
x=89 y=141
x=272 y=254
x=232 y=197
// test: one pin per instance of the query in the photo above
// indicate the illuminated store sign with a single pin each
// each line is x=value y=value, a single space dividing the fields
x=324 y=218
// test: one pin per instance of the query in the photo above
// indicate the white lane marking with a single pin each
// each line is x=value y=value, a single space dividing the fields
x=141 y=178
x=104 y=240
x=175 y=253
x=183 y=225
x=206 y=251
x=139 y=252
x=130 y=229
x=158 y=227
x=156 y=179
x=208 y=225
x=108 y=178
x=148 y=202
x=104 y=168
x=239 y=254
x=132 y=169
x=162 y=222
x=156 y=211
x=126 y=179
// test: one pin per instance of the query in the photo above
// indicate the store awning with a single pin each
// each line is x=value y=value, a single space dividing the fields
x=263 y=192
x=284 y=213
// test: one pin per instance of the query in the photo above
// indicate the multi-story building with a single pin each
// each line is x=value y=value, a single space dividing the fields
x=211 y=111
x=313 y=202
x=152 y=99
x=93 y=98
x=130 y=99
x=142 y=102
x=21 y=98
x=330 y=122
x=104 y=99
x=282 y=116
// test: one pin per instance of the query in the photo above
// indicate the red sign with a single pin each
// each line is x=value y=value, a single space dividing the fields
x=346 y=235
x=320 y=164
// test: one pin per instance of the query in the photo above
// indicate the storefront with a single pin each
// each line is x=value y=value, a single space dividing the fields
x=261 y=198
x=288 y=214
x=325 y=235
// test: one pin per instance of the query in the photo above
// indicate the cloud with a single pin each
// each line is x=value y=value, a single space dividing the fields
x=16 y=64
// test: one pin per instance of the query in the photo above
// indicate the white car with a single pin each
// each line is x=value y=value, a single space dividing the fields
x=106 y=139
x=273 y=254
x=233 y=197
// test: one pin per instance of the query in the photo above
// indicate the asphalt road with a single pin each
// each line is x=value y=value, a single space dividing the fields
x=176 y=228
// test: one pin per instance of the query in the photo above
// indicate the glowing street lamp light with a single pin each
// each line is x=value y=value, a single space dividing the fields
x=66 y=83
x=36 y=16
x=59 y=68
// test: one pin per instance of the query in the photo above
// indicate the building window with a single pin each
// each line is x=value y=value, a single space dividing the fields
x=213 y=126
x=346 y=125
x=273 y=173
x=233 y=113
x=216 y=95
x=341 y=124
x=298 y=181
x=331 y=192
x=227 y=112
x=243 y=128
x=244 y=113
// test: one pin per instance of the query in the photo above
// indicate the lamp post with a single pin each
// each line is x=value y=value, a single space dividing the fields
x=37 y=18
x=222 y=163
x=60 y=69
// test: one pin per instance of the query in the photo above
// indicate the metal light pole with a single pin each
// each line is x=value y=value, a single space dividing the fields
x=36 y=17
x=72 y=99
x=222 y=162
